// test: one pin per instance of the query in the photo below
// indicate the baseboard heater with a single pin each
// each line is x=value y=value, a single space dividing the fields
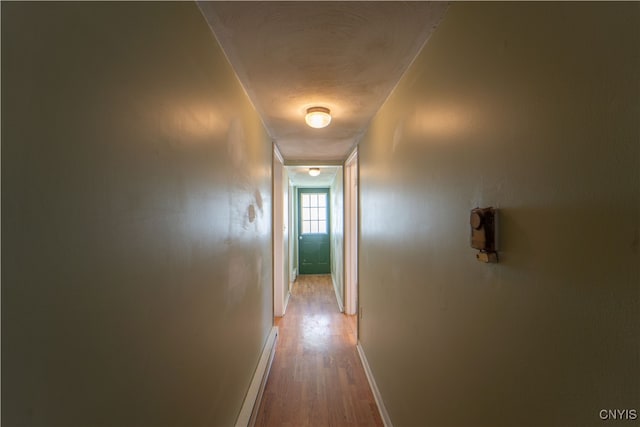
x=249 y=410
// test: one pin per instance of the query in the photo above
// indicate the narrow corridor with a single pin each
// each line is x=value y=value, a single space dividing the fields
x=317 y=378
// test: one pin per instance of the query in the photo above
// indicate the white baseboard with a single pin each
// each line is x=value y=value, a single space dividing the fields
x=374 y=388
x=286 y=302
x=248 y=412
x=338 y=297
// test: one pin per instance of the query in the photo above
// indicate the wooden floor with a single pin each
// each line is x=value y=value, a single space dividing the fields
x=316 y=378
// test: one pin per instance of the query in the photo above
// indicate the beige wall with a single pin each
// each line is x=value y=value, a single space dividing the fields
x=531 y=108
x=136 y=219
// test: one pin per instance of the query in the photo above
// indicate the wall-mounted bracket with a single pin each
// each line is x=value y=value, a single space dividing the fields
x=487 y=257
x=483 y=233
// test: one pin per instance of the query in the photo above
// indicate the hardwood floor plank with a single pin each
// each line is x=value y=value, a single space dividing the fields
x=316 y=378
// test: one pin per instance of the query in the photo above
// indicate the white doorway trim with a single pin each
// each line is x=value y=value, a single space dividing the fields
x=351 y=233
x=280 y=236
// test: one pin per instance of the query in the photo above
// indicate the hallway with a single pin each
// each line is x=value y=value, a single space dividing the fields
x=316 y=377
x=147 y=254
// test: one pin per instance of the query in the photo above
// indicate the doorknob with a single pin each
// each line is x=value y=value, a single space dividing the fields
x=300 y=237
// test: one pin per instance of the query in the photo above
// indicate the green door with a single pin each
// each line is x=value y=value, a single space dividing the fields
x=313 y=227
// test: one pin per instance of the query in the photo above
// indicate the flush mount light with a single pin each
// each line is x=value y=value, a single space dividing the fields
x=318 y=117
x=314 y=171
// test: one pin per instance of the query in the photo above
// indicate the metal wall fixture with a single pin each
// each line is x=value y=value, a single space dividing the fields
x=483 y=223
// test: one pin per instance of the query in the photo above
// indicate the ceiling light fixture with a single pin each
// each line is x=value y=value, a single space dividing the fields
x=318 y=117
x=314 y=171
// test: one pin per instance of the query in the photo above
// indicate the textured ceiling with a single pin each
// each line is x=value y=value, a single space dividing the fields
x=347 y=56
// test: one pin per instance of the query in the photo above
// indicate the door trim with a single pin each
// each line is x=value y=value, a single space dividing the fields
x=351 y=233
x=280 y=290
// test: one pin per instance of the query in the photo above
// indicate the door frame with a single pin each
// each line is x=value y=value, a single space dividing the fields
x=279 y=231
x=351 y=233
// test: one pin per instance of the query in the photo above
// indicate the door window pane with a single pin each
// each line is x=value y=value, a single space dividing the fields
x=314 y=213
